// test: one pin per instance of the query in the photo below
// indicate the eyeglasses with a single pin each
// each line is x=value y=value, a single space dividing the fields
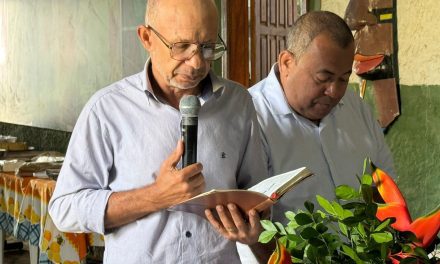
x=182 y=51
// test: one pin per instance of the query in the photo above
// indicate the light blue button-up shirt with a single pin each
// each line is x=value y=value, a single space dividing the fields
x=334 y=150
x=121 y=138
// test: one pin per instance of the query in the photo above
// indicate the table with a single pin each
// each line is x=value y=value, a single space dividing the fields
x=24 y=214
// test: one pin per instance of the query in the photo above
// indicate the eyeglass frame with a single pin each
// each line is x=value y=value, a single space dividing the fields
x=200 y=46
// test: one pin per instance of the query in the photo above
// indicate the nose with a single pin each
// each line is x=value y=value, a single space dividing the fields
x=196 y=60
x=335 y=90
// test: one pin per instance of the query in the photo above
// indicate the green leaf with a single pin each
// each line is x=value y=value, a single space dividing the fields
x=406 y=248
x=361 y=230
x=297 y=253
x=283 y=240
x=345 y=192
x=338 y=210
x=383 y=225
x=309 y=232
x=321 y=228
x=382 y=237
x=266 y=236
x=309 y=206
x=294 y=238
x=347 y=213
x=383 y=251
x=316 y=242
x=361 y=249
x=420 y=252
x=323 y=215
x=367 y=179
x=324 y=203
x=367 y=165
x=350 y=252
x=268 y=225
x=303 y=219
x=290 y=215
x=293 y=224
x=353 y=205
x=367 y=193
x=280 y=227
x=312 y=254
x=371 y=210
x=317 y=217
x=353 y=220
x=343 y=228
x=290 y=230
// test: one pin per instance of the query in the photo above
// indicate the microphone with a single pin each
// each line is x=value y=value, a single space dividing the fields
x=189 y=108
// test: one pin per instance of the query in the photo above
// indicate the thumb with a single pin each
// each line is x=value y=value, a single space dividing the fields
x=175 y=157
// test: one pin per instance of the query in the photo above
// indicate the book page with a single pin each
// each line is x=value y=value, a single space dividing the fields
x=281 y=183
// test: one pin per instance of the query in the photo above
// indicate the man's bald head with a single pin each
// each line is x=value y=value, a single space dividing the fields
x=206 y=8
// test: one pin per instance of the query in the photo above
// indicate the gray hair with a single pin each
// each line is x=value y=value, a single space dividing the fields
x=314 y=23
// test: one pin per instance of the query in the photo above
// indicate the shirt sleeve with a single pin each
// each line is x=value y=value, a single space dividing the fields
x=81 y=192
x=253 y=166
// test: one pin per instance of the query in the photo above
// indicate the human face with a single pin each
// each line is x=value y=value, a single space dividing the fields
x=190 y=24
x=315 y=83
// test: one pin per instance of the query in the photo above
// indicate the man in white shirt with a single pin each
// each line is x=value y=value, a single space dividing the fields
x=309 y=118
x=122 y=168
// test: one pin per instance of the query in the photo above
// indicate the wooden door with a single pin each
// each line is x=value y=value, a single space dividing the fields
x=256 y=34
x=271 y=20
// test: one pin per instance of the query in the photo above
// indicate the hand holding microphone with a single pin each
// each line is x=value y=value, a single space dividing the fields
x=174 y=185
x=189 y=108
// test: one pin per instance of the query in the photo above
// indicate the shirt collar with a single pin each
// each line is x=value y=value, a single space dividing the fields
x=275 y=94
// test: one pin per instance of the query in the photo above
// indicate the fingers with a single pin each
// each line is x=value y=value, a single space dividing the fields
x=237 y=218
x=172 y=160
x=232 y=225
x=254 y=219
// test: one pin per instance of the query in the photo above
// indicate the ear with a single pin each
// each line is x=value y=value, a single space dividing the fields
x=144 y=35
x=286 y=61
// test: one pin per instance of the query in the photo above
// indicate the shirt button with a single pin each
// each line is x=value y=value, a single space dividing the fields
x=188 y=234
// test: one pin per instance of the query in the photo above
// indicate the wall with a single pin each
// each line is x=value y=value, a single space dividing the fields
x=55 y=54
x=414 y=138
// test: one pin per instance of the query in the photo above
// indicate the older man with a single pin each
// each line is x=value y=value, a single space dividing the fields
x=309 y=118
x=119 y=178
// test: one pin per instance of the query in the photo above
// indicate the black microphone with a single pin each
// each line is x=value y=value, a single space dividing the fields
x=189 y=108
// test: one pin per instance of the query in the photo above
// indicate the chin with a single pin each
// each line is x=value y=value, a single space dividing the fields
x=184 y=85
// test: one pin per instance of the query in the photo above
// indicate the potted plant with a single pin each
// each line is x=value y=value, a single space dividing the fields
x=356 y=229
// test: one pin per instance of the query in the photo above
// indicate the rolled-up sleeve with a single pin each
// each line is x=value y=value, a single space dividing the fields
x=81 y=193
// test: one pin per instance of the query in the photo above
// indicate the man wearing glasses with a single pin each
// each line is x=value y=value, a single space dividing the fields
x=122 y=169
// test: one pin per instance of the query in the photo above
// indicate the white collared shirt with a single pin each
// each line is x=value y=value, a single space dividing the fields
x=119 y=142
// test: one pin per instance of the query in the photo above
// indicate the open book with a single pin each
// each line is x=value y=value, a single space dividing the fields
x=260 y=196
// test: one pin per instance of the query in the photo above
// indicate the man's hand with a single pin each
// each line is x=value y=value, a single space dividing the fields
x=173 y=186
x=233 y=226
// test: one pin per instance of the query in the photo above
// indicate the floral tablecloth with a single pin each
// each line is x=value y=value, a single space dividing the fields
x=23 y=214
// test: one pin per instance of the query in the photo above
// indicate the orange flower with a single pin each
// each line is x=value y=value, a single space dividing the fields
x=425 y=228
x=280 y=255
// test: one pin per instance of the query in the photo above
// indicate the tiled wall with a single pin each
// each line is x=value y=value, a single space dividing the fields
x=40 y=138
